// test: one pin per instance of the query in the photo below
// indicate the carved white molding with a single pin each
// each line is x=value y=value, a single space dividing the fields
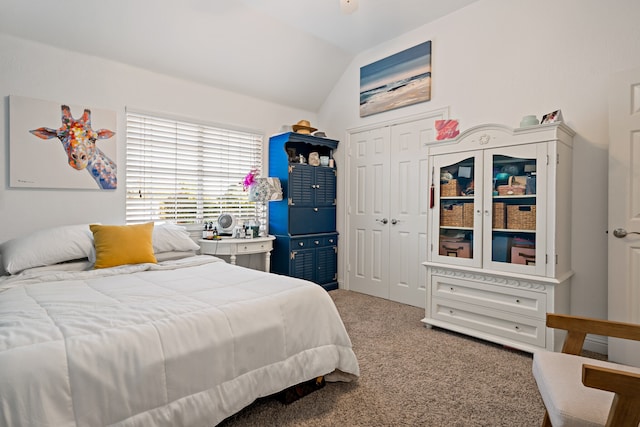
x=489 y=278
x=484 y=139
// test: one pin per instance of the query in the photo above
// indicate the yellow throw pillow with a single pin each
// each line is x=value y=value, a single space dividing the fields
x=123 y=244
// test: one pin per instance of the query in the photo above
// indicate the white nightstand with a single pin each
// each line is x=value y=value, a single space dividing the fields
x=235 y=247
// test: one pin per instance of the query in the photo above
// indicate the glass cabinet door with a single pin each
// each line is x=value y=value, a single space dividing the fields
x=514 y=208
x=456 y=177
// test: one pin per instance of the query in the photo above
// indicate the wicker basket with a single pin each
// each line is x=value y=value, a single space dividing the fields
x=467 y=215
x=499 y=215
x=521 y=217
x=450 y=189
x=451 y=215
x=511 y=190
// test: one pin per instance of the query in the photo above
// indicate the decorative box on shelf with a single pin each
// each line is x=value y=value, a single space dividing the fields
x=450 y=188
x=521 y=217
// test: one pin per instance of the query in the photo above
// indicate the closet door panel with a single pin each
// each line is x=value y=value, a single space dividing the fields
x=407 y=211
x=368 y=204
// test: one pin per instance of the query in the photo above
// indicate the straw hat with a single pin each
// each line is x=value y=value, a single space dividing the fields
x=303 y=126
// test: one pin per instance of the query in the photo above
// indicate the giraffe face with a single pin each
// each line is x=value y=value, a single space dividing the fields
x=79 y=142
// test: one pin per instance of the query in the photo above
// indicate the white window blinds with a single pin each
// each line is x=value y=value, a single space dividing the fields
x=187 y=172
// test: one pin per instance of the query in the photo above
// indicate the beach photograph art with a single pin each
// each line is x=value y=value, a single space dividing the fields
x=396 y=81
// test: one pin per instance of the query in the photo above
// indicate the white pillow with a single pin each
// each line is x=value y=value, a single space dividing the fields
x=173 y=255
x=47 y=247
x=169 y=237
x=83 y=265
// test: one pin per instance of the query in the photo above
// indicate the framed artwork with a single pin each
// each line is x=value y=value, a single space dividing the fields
x=396 y=81
x=552 y=117
x=56 y=145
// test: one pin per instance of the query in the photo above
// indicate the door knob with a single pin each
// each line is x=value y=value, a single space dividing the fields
x=394 y=221
x=621 y=232
x=383 y=220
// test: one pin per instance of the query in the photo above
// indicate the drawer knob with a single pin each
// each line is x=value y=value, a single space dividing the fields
x=517 y=328
x=316 y=242
x=330 y=240
x=517 y=301
x=300 y=243
x=450 y=311
x=315 y=209
x=452 y=289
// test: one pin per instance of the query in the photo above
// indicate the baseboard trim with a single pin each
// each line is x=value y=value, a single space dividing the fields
x=596 y=344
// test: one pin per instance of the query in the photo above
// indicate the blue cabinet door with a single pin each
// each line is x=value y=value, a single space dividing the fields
x=326 y=265
x=302 y=264
x=301 y=186
x=325 y=186
x=307 y=220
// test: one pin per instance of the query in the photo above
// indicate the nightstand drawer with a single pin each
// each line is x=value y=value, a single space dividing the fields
x=253 y=247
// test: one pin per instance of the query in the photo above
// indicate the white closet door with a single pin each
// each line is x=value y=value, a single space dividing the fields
x=387 y=209
x=408 y=211
x=369 y=212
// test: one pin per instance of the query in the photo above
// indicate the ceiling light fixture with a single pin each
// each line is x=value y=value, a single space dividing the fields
x=348 y=6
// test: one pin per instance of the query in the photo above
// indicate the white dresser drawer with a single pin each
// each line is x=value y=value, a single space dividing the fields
x=507 y=325
x=514 y=300
x=253 y=247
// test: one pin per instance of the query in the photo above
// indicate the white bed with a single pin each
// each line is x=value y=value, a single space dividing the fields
x=182 y=342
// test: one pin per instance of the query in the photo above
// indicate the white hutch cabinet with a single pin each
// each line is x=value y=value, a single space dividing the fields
x=499 y=255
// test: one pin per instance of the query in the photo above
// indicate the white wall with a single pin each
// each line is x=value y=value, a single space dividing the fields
x=38 y=71
x=496 y=61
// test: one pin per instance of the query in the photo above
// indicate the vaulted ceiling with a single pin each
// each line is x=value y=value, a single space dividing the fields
x=290 y=52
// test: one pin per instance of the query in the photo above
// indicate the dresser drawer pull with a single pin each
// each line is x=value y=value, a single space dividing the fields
x=300 y=243
x=330 y=240
x=517 y=301
x=517 y=328
x=315 y=209
x=317 y=242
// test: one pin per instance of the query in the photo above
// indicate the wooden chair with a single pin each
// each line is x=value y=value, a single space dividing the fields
x=579 y=391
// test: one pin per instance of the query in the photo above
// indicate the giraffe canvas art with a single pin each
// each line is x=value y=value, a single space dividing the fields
x=83 y=159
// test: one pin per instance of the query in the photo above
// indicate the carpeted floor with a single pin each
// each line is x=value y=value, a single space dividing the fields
x=411 y=376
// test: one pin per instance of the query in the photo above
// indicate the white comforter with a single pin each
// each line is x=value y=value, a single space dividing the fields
x=181 y=343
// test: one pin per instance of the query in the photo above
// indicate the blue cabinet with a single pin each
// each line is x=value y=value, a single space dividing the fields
x=304 y=222
x=312 y=257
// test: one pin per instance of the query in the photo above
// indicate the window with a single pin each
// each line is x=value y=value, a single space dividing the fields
x=187 y=172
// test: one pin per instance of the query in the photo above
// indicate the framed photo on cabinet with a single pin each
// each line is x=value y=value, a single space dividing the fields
x=552 y=117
